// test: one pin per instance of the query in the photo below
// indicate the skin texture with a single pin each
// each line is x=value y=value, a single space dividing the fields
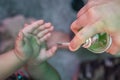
x=30 y=39
x=96 y=17
x=37 y=67
x=42 y=71
x=30 y=50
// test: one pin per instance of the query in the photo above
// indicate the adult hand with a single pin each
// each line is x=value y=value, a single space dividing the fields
x=96 y=17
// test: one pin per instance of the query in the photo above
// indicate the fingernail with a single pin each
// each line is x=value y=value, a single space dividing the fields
x=75 y=44
x=48 y=24
x=20 y=34
x=51 y=28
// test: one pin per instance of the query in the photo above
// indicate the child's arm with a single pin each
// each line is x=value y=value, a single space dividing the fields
x=43 y=71
x=28 y=47
x=9 y=63
x=39 y=68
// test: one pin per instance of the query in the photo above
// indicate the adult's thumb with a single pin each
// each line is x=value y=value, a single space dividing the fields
x=83 y=35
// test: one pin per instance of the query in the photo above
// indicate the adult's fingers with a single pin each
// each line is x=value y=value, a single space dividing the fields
x=113 y=49
x=79 y=23
x=88 y=18
x=84 y=34
x=91 y=4
x=83 y=10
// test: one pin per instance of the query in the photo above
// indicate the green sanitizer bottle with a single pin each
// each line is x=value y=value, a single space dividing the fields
x=99 y=43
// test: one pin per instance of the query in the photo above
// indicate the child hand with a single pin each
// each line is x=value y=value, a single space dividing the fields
x=30 y=41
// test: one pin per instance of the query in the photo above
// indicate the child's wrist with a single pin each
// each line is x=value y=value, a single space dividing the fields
x=20 y=58
x=34 y=63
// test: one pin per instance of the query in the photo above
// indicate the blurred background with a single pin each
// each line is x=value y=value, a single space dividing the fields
x=79 y=65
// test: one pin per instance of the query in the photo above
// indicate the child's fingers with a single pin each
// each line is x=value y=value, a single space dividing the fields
x=44 y=37
x=30 y=21
x=51 y=51
x=32 y=27
x=44 y=55
x=25 y=25
x=42 y=33
x=42 y=27
x=39 y=29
